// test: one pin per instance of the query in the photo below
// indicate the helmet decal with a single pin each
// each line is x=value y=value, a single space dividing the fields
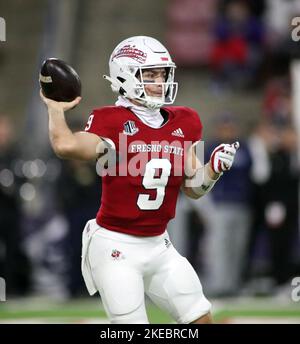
x=131 y=52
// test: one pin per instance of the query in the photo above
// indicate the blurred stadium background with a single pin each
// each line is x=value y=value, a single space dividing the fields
x=239 y=67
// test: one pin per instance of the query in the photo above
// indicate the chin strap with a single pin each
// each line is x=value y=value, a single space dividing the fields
x=151 y=105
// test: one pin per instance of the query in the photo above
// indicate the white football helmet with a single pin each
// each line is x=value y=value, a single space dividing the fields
x=126 y=64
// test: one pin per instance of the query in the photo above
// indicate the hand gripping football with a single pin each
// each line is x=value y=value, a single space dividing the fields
x=59 y=81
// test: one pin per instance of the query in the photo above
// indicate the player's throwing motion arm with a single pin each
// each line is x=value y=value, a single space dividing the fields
x=204 y=177
x=68 y=145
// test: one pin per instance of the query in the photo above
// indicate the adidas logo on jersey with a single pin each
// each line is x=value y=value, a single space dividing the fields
x=130 y=128
x=178 y=132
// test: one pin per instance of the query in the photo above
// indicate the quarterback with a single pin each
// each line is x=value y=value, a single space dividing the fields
x=126 y=250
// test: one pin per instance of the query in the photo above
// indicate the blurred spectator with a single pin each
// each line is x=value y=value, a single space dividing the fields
x=276 y=205
x=230 y=219
x=44 y=240
x=276 y=197
x=54 y=218
x=14 y=266
x=277 y=101
x=77 y=182
x=189 y=30
x=238 y=48
x=281 y=205
x=261 y=140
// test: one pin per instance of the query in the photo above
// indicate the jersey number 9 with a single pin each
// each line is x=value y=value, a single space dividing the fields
x=150 y=181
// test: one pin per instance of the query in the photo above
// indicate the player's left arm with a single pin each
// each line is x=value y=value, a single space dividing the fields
x=203 y=178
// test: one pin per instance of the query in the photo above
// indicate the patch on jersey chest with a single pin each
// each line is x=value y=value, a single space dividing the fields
x=130 y=128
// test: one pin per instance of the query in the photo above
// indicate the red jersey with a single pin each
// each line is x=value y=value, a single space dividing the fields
x=139 y=196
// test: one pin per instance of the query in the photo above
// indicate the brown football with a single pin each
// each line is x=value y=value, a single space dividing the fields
x=59 y=81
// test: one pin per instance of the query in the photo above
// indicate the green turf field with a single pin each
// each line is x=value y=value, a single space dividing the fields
x=242 y=310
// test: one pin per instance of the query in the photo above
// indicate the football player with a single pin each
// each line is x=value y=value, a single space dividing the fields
x=126 y=250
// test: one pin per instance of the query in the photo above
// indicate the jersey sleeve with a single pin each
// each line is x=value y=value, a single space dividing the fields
x=101 y=123
x=195 y=125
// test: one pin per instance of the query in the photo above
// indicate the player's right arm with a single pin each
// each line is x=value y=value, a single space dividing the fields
x=65 y=143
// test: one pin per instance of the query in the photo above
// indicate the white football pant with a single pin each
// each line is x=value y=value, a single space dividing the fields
x=124 y=267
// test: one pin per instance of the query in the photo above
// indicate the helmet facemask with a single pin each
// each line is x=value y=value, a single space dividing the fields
x=168 y=88
x=131 y=85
